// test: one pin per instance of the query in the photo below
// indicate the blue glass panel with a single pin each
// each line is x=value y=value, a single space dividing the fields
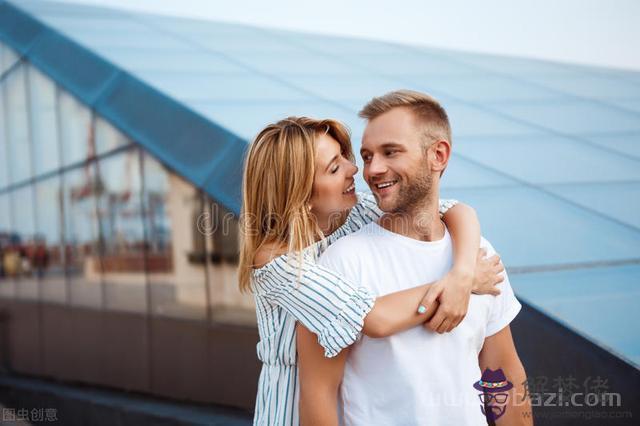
x=44 y=122
x=296 y=63
x=219 y=87
x=356 y=89
x=143 y=38
x=462 y=173
x=594 y=301
x=627 y=142
x=515 y=66
x=590 y=86
x=247 y=119
x=550 y=159
x=573 y=116
x=472 y=121
x=618 y=200
x=486 y=88
x=341 y=46
x=14 y=89
x=629 y=104
x=139 y=60
x=8 y=57
x=531 y=228
x=407 y=63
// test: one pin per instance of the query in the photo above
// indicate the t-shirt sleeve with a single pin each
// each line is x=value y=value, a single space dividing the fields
x=319 y=298
x=446 y=204
x=505 y=306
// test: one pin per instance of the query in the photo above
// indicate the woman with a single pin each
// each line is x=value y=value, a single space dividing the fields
x=299 y=197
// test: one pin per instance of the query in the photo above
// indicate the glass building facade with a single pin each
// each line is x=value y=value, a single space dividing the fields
x=122 y=136
x=89 y=219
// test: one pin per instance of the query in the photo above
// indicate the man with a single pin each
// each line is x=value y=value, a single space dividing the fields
x=415 y=377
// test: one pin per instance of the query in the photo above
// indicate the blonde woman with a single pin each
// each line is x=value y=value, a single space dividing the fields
x=298 y=198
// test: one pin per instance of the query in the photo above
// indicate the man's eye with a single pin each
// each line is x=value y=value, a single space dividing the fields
x=390 y=152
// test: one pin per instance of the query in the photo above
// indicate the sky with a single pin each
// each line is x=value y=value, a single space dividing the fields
x=593 y=32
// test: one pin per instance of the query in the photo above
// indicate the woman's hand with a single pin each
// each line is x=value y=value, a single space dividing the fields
x=453 y=292
x=488 y=274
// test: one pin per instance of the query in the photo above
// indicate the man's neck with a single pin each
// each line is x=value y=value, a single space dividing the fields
x=420 y=222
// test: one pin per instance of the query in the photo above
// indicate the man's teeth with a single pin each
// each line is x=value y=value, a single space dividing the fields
x=385 y=184
x=350 y=188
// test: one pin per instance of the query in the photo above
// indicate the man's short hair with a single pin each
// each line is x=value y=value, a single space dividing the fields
x=427 y=110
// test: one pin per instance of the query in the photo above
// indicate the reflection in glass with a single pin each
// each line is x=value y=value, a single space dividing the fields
x=108 y=137
x=227 y=303
x=15 y=104
x=123 y=245
x=24 y=267
x=48 y=256
x=76 y=132
x=81 y=236
x=9 y=259
x=44 y=129
x=4 y=142
x=175 y=255
x=8 y=57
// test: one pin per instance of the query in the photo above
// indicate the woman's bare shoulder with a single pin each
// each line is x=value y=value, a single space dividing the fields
x=267 y=252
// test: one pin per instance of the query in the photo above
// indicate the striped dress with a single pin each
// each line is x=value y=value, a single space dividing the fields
x=287 y=291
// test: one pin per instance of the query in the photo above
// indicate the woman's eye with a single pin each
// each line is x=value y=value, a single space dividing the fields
x=335 y=169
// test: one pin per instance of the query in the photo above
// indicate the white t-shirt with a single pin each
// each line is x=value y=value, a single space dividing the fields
x=416 y=377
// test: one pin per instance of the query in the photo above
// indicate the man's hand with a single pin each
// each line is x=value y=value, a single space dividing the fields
x=453 y=292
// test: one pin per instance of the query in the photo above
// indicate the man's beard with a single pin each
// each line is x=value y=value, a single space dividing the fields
x=411 y=194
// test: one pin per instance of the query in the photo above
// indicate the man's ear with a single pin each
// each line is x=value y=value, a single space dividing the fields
x=440 y=153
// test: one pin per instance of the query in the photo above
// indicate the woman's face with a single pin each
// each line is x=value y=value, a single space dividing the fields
x=333 y=183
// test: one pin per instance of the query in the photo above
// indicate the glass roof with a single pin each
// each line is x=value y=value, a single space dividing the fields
x=547 y=153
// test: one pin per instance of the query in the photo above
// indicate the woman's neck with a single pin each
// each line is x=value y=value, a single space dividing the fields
x=329 y=224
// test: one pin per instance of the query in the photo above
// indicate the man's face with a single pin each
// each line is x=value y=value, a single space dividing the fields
x=396 y=164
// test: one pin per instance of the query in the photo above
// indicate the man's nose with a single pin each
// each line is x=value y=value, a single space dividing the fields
x=377 y=166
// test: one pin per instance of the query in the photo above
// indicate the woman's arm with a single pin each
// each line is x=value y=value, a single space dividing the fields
x=454 y=290
x=396 y=312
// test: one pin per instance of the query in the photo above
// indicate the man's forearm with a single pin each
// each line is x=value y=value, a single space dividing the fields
x=518 y=409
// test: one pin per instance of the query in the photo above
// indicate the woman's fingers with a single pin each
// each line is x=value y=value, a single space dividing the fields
x=482 y=253
x=428 y=300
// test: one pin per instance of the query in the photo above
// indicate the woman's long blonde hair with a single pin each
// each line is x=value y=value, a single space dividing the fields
x=277 y=185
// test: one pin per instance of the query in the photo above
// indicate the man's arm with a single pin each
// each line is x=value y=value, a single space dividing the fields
x=320 y=379
x=500 y=352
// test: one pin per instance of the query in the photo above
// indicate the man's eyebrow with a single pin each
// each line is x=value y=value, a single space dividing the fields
x=392 y=145
x=330 y=162
x=384 y=145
